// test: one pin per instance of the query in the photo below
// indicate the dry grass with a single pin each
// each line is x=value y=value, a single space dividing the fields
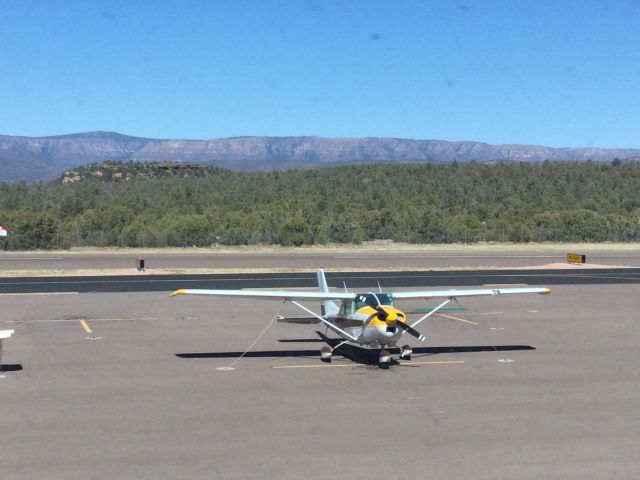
x=377 y=246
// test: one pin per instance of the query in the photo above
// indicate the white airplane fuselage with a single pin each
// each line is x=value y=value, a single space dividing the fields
x=368 y=329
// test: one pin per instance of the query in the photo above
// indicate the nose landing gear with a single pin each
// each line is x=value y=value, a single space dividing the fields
x=385 y=359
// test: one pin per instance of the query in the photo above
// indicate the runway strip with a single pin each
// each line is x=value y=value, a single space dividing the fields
x=353 y=280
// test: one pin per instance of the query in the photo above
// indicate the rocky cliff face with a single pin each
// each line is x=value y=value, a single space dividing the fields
x=40 y=158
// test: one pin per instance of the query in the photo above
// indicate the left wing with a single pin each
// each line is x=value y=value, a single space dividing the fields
x=273 y=294
x=453 y=293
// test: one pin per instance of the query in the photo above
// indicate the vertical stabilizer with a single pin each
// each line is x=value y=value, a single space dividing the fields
x=328 y=307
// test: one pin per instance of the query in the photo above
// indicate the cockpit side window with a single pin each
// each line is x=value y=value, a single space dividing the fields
x=346 y=308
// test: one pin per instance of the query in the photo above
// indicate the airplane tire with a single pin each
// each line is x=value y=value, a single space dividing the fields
x=325 y=354
x=406 y=352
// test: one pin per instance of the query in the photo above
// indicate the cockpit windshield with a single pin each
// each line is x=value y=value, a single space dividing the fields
x=364 y=299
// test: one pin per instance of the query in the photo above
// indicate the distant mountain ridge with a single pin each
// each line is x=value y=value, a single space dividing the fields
x=41 y=158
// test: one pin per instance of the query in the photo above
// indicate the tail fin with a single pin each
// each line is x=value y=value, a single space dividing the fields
x=328 y=307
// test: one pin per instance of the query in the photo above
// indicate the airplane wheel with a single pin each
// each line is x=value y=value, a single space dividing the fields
x=325 y=354
x=385 y=359
x=406 y=352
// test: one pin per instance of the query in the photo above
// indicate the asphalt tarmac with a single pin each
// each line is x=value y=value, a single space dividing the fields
x=137 y=385
x=353 y=280
x=446 y=257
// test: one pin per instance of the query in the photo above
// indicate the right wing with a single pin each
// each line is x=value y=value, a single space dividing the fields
x=269 y=294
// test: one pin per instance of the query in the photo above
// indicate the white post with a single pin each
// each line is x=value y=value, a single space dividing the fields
x=4 y=334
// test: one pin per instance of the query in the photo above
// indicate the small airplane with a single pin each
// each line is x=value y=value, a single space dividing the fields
x=368 y=319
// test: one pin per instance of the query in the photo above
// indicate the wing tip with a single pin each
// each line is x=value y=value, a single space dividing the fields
x=547 y=291
x=178 y=292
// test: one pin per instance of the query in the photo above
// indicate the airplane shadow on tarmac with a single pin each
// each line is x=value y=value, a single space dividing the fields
x=354 y=353
x=11 y=367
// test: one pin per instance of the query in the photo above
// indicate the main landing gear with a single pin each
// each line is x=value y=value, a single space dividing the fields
x=384 y=359
x=326 y=354
x=406 y=352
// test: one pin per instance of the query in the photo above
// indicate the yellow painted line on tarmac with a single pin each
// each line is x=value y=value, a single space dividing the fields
x=315 y=366
x=37 y=293
x=441 y=362
x=85 y=325
x=456 y=318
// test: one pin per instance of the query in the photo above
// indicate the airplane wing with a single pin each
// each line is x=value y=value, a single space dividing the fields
x=453 y=293
x=296 y=295
x=269 y=294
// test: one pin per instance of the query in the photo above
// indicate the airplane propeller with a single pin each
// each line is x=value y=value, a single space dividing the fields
x=383 y=315
x=412 y=331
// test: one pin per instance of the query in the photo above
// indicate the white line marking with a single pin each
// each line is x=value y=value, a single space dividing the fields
x=39 y=293
x=60 y=320
x=436 y=257
x=456 y=318
x=15 y=259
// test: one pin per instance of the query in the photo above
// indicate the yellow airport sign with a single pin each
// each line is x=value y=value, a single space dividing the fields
x=576 y=258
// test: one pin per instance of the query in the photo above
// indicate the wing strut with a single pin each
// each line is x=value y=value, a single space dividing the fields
x=430 y=313
x=325 y=321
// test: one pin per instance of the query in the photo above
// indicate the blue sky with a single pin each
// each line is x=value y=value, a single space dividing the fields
x=556 y=73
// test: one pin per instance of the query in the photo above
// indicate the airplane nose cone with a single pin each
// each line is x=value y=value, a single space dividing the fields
x=392 y=316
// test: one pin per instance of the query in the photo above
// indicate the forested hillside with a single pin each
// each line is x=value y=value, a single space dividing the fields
x=129 y=204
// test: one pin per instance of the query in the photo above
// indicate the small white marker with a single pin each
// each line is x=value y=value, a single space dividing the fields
x=497 y=328
x=225 y=369
x=506 y=360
